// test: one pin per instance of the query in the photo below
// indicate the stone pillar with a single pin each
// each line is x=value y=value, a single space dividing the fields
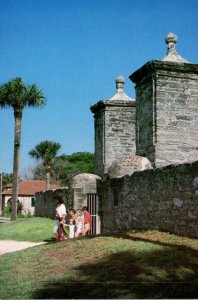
x=114 y=128
x=167 y=109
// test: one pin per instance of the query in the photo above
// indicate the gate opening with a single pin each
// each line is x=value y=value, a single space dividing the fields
x=93 y=208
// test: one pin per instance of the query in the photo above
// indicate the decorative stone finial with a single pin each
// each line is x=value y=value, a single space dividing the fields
x=172 y=55
x=120 y=94
x=120 y=82
x=171 y=39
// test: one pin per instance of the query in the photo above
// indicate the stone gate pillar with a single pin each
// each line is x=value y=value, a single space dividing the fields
x=167 y=108
x=114 y=128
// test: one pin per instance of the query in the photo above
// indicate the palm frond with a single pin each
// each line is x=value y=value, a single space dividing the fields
x=46 y=151
x=34 y=96
x=17 y=95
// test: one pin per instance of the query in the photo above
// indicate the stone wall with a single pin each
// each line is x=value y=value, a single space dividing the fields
x=114 y=132
x=164 y=199
x=120 y=133
x=99 y=124
x=167 y=112
x=45 y=203
x=74 y=197
x=83 y=184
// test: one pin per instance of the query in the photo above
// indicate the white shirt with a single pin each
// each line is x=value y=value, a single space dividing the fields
x=61 y=210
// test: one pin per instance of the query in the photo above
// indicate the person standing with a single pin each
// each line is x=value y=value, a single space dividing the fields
x=60 y=218
x=87 y=221
x=79 y=223
x=72 y=223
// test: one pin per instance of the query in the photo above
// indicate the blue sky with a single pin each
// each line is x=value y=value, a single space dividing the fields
x=73 y=50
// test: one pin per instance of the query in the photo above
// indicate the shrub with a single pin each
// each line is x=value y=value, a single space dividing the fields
x=6 y=212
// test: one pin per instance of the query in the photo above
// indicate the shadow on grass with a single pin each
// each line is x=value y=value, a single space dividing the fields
x=150 y=240
x=159 y=272
x=51 y=240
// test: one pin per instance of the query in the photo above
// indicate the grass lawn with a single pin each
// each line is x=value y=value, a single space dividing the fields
x=147 y=264
x=27 y=229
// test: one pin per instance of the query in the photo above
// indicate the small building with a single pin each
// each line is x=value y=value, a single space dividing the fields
x=26 y=194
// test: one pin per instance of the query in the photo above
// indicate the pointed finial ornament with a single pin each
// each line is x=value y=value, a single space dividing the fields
x=120 y=94
x=172 y=55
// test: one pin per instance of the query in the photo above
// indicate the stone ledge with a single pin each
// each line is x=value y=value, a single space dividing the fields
x=116 y=103
x=153 y=65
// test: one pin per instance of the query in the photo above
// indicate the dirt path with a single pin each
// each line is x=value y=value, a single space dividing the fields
x=7 y=246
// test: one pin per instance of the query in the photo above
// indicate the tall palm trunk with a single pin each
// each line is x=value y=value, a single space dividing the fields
x=48 y=176
x=17 y=140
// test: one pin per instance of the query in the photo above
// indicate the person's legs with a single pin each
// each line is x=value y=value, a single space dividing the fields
x=71 y=231
x=63 y=233
x=57 y=237
x=86 y=229
x=58 y=233
x=84 y=232
x=79 y=231
x=62 y=237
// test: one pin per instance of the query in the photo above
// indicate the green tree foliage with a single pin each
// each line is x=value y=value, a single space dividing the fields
x=83 y=161
x=17 y=95
x=64 y=167
x=46 y=151
x=6 y=179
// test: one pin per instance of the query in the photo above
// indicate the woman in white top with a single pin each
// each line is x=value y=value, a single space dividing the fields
x=60 y=217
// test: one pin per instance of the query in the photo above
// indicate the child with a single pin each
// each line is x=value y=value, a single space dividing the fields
x=71 y=224
x=79 y=223
x=87 y=221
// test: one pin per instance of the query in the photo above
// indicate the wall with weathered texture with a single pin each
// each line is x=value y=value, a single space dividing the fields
x=114 y=132
x=45 y=203
x=120 y=132
x=167 y=112
x=83 y=184
x=114 y=121
x=165 y=199
x=99 y=125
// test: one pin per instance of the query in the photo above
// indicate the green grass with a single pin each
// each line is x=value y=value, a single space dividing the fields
x=147 y=264
x=27 y=229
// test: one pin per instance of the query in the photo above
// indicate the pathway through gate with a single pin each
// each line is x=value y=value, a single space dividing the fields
x=93 y=207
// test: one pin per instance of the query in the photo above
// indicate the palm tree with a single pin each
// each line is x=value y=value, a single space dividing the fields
x=16 y=95
x=46 y=151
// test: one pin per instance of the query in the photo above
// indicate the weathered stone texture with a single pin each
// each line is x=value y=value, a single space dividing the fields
x=45 y=203
x=74 y=197
x=167 y=112
x=145 y=135
x=99 y=124
x=83 y=184
x=165 y=199
x=114 y=132
x=127 y=165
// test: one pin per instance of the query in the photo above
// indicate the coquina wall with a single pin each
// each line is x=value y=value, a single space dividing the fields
x=166 y=112
x=114 y=121
x=74 y=197
x=45 y=202
x=165 y=199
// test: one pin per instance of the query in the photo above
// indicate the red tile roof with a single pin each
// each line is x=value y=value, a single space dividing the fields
x=29 y=187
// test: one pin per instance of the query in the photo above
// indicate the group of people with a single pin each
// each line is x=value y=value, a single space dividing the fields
x=78 y=223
